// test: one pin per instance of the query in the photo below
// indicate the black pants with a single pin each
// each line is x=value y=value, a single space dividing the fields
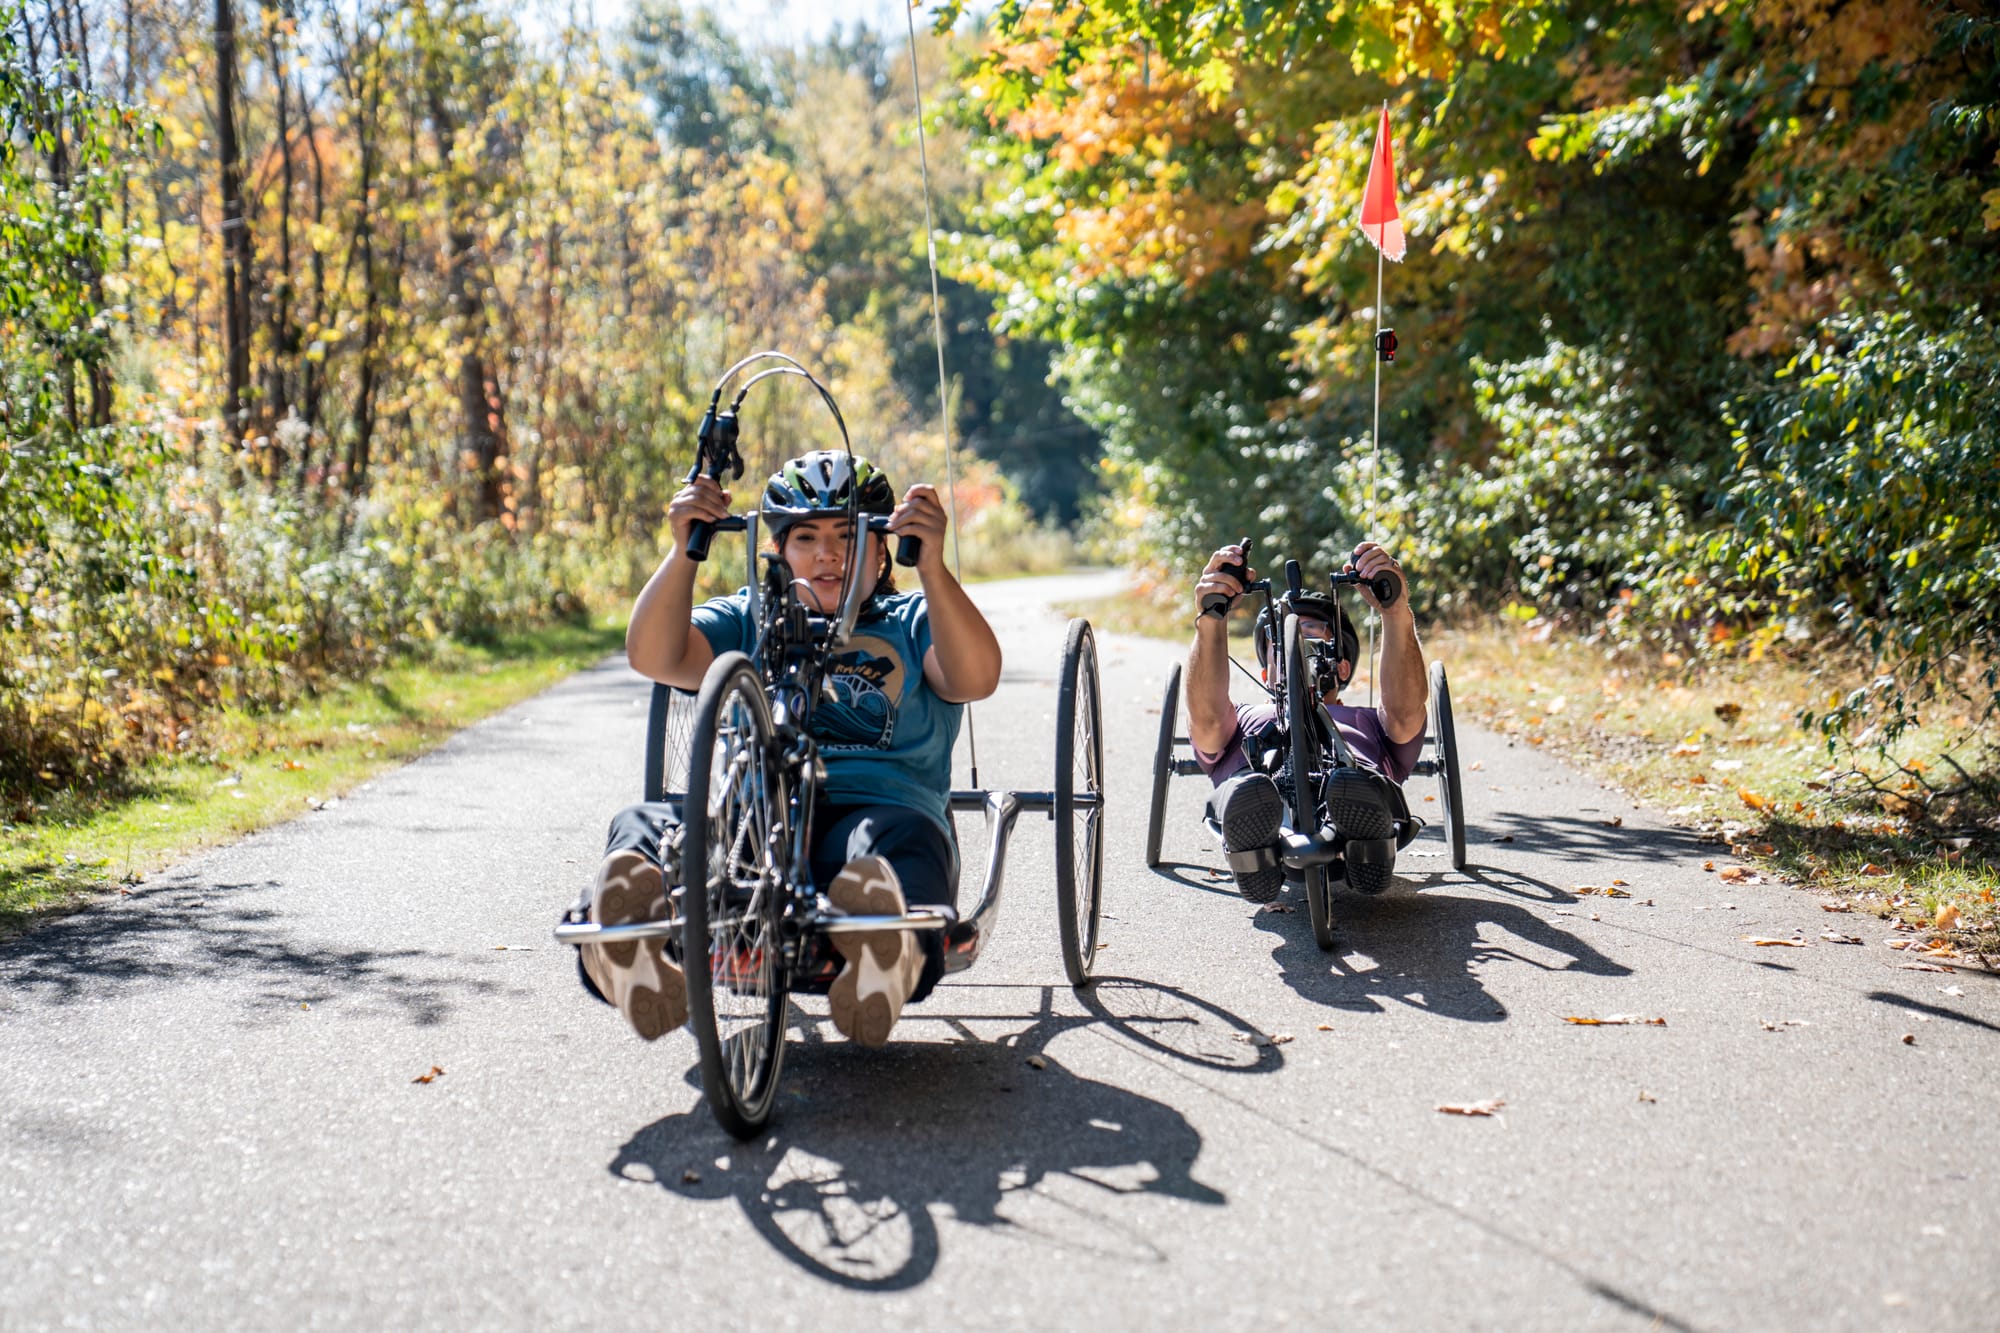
x=923 y=857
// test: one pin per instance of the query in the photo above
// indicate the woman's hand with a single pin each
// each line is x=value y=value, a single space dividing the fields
x=921 y=515
x=701 y=500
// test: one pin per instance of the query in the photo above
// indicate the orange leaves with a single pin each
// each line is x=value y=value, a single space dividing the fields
x=1760 y=804
x=1947 y=918
x=1616 y=1021
x=436 y=1072
x=1767 y=941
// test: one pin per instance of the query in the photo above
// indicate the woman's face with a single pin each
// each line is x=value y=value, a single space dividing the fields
x=816 y=551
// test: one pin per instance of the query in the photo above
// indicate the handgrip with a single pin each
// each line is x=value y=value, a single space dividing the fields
x=909 y=550
x=1216 y=603
x=700 y=533
x=1387 y=588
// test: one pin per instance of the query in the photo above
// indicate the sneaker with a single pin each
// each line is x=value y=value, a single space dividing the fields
x=882 y=965
x=1359 y=809
x=1251 y=812
x=636 y=975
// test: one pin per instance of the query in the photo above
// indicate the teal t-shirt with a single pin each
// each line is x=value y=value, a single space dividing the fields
x=885 y=736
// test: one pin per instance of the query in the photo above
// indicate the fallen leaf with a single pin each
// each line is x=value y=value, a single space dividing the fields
x=1587 y=888
x=1276 y=909
x=1708 y=865
x=1872 y=869
x=1491 y=1106
x=1923 y=967
x=1752 y=799
x=690 y=1177
x=1645 y=1096
x=1430 y=798
x=1684 y=749
x=1909 y=1039
x=1615 y=892
x=1836 y=907
x=1616 y=821
x=1953 y=991
x=1037 y=1062
x=1729 y=712
x=1616 y=1020
x=1835 y=937
x=1738 y=875
x=1901 y=944
x=1326 y=1027
x=1781 y=1024
x=437 y=1071
x=513 y=948
x=1698 y=780
x=1621 y=884
x=1947 y=918
x=1259 y=1039
x=1767 y=940
x=1478 y=764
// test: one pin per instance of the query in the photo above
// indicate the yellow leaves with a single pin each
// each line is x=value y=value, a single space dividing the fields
x=1768 y=941
x=1760 y=804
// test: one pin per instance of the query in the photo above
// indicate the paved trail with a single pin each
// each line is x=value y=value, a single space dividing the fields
x=208 y=1119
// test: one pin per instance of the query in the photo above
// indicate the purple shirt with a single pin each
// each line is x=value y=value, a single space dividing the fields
x=1361 y=728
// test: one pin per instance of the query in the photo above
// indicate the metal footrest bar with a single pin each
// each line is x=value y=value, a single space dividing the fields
x=590 y=933
x=916 y=919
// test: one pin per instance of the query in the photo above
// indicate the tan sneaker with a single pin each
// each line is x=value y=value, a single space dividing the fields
x=882 y=965
x=637 y=976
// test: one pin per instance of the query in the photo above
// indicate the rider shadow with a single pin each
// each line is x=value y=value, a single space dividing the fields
x=1425 y=951
x=870 y=1146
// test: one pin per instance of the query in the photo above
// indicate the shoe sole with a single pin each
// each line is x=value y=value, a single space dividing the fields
x=1363 y=817
x=1252 y=819
x=654 y=1005
x=869 y=1018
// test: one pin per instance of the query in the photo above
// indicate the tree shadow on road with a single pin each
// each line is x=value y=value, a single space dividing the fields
x=1426 y=950
x=173 y=934
x=867 y=1147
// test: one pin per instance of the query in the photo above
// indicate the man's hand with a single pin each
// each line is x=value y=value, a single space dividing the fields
x=701 y=500
x=1371 y=560
x=1215 y=581
x=921 y=515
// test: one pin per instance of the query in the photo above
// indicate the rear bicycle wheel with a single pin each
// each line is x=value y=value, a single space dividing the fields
x=1163 y=765
x=736 y=872
x=1451 y=793
x=1079 y=802
x=669 y=724
x=1302 y=735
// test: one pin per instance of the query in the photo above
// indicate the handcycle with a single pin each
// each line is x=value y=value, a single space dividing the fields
x=743 y=914
x=1311 y=746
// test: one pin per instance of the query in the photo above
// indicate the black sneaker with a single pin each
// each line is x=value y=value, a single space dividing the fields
x=1251 y=813
x=1359 y=809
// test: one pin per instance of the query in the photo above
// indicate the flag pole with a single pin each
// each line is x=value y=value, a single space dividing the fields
x=1375 y=437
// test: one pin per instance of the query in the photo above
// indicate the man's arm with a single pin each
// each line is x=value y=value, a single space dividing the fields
x=1405 y=690
x=1211 y=716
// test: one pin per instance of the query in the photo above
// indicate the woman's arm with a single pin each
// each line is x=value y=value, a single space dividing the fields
x=963 y=663
x=660 y=640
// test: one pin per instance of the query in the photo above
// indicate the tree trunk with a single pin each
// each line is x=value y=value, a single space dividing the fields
x=235 y=229
x=481 y=415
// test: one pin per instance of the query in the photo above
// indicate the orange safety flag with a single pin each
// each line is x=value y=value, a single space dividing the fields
x=1380 y=218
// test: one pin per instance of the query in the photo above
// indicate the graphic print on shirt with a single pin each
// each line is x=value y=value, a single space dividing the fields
x=867 y=685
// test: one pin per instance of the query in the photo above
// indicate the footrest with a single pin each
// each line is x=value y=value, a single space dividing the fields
x=589 y=932
x=917 y=918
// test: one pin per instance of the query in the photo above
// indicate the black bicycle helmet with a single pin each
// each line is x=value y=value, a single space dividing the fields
x=823 y=484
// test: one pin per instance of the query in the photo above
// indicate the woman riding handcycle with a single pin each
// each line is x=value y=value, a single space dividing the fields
x=813 y=847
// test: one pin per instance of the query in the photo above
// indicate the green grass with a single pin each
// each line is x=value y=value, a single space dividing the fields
x=244 y=771
x=1718 y=745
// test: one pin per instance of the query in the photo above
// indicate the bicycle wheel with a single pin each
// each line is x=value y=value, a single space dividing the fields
x=1451 y=795
x=669 y=719
x=1163 y=765
x=1079 y=804
x=1302 y=732
x=734 y=867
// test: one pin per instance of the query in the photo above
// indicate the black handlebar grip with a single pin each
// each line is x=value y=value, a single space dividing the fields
x=1387 y=588
x=1218 y=603
x=700 y=533
x=909 y=550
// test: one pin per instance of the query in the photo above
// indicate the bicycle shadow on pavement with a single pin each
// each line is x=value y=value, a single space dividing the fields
x=1425 y=951
x=868 y=1147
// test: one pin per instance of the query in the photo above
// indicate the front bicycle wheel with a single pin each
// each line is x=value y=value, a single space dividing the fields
x=1079 y=804
x=1302 y=734
x=735 y=869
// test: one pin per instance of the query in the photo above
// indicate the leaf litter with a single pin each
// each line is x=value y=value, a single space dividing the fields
x=1490 y=1106
x=1615 y=1020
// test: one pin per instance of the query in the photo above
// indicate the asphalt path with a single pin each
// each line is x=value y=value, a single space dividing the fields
x=209 y=1119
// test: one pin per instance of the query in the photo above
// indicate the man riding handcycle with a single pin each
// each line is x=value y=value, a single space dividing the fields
x=1303 y=784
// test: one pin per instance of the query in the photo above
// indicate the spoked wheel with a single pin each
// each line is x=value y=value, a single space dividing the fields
x=1301 y=715
x=1451 y=795
x=1079 y=804
x=1163 y=765
x=668 y=724
x=734 y=864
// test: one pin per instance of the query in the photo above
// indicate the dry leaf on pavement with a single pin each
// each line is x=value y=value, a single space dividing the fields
x=1037 y=1062
x=1836 y=907
x=437 y=1071
x=1768 y=940
x=1835 y=937
x=1616 y=1020
x=1491 y=1106
x=1259 y=1039
x=1923 y=967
